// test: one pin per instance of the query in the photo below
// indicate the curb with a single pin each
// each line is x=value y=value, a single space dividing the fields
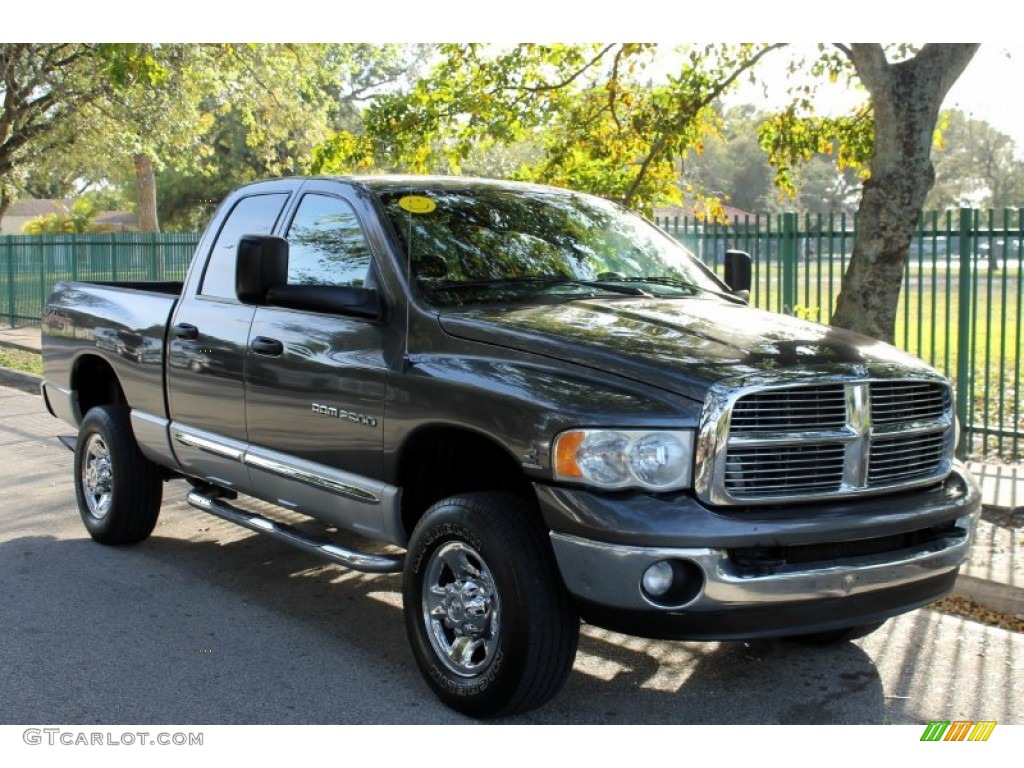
x=22 y=347
x=12 y=338
x=26 y=382
x=1004 y=598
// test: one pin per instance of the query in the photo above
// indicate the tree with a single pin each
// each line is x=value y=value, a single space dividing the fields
x=822 y=188
x=80 y=217
x=975 y=165
x=43 y=88
x=605 y=128
x=599 y=123
x=732 y=166
x=248 y=142
x=906 y=97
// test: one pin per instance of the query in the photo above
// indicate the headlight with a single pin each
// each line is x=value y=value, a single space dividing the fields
x=655 y=460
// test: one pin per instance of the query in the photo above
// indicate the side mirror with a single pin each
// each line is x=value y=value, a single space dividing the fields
x=737 y=272
x=330 y=299
x=262 y=261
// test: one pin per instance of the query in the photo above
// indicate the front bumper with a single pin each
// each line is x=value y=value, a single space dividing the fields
x=731 y=598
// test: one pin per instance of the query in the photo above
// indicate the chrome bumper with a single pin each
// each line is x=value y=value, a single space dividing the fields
x=610 y=575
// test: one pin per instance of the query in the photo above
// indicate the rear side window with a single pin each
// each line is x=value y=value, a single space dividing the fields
x=254 y=215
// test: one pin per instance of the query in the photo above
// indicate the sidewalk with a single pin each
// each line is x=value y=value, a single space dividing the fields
x=993 y=575
x=20 y=338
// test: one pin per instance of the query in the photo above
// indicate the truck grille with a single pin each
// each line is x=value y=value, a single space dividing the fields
x=848 y=437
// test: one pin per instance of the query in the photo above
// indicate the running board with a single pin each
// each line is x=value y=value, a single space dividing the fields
x=357 y=561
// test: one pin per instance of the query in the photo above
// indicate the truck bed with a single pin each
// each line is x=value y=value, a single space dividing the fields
x=120 y=325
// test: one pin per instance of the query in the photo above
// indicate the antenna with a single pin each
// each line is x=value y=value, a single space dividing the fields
x=408 y=287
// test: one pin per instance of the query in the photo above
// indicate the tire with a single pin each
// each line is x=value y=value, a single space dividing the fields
x=118 y=489
x=491 y=625
x=836 y=636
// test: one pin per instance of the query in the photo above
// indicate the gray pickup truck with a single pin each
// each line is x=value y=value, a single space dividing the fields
x=532 y=404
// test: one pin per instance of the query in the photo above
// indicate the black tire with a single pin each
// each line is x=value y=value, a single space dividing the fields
x=118 y=489
x=836 y=636
x=491 y=625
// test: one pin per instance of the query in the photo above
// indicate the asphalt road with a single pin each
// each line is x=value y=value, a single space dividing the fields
x=206 y=623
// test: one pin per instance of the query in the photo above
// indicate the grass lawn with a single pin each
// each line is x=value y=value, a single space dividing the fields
x=20 y=360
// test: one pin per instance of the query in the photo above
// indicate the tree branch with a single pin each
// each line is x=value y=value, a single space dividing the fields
x=659 y=143
x=564 y=83
x=871 y=64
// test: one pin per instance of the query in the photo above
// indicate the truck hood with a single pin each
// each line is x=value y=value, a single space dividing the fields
x=680 y=345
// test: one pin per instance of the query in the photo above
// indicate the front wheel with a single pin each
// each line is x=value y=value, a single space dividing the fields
x=118 y=489
x=490 y=623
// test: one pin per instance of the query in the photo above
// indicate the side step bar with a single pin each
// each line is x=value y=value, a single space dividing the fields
x=357 y=561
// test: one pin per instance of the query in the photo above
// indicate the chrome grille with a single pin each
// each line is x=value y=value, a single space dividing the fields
x=902 y=401
x=821 y=407
x=785 y=470
x=900 y=458
x=848 y=437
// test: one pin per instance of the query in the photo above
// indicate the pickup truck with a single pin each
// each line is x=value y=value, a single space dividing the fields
x=534 y=405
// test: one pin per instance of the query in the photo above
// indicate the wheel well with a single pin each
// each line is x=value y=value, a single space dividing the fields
x=443 y=461
x=95 y=383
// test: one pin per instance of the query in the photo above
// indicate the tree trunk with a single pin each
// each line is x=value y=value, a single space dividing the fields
x=906 y=98
x=145 y=181
x=5 y=200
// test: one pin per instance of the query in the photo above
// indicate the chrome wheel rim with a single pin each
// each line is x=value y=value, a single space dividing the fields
x=97 y=477
x=461 y=609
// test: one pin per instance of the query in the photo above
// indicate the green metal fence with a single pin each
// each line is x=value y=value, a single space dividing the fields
x=29 y=266
x=960 y=308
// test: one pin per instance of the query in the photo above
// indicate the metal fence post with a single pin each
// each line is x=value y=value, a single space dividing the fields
x=788 y=254
x=41 y=250
x=9 y=252
x=963 y=340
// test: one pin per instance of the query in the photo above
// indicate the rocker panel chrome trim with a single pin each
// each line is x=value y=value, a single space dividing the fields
x=194 y=439
x=369 y=507
x=318 y=479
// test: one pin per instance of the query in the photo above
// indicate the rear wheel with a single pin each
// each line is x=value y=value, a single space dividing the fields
x=490 y=623
x=118 y=489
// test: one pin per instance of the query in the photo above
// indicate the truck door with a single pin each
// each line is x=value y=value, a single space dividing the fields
x=315 y=381
x=207 y=347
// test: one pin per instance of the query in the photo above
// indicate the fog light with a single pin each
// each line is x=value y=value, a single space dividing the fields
x=672 y=583
x=658 y=578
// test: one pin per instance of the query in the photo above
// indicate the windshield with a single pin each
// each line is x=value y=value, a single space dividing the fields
x=497 y=245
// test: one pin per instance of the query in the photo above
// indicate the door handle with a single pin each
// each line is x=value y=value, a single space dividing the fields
x=262 y=345
x=186 y=331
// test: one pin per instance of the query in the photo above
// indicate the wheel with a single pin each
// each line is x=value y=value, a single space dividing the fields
x=835 y=636
x=490 y=623
x=118 y=489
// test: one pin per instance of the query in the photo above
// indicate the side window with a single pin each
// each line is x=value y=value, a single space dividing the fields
x=326 y=244
x=254 y=215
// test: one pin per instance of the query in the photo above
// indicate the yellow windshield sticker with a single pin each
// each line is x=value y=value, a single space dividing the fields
x=417 y=204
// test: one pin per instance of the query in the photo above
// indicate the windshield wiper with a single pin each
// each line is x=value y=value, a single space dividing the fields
x=546 y=280
x=672 y=282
